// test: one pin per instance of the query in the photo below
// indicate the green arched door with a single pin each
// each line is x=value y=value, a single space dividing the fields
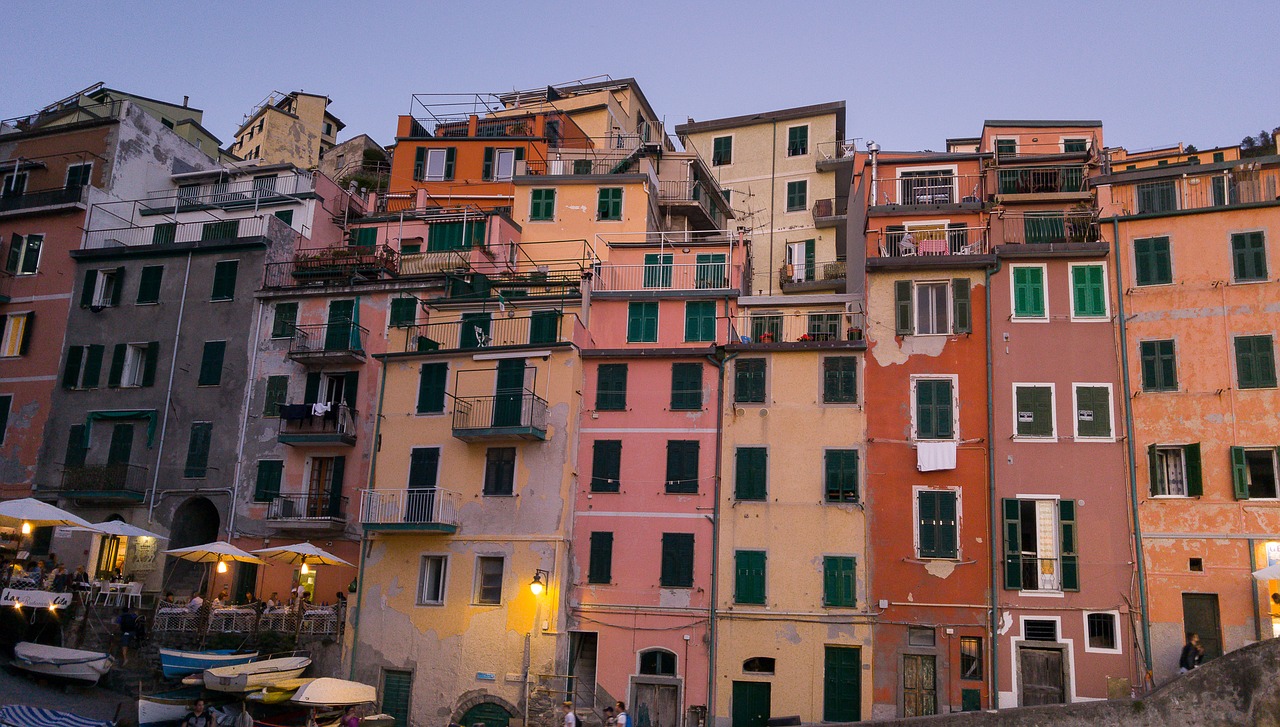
x=488 y=714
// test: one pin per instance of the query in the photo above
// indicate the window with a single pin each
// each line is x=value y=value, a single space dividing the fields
x=1175 y=470
x=611 y=387
x=1093 y=412
x=1006 y=147
x=642 y=322
x=488 y=580
x=198 y=450
x=1195 y=565
x=78 y=174
x=932 y=314
x=134 y=364
x=83 y=367
x=606 y=465
x=1088 y=291
x=600 y=562
x=759 y=665
x=937 y=531
x=840 y=380
x=928 y=313
x=1255 y=362
x=1159 y=366
x=1033 y=411
x=748 y=381
x=682 y=466
x=797 y=196
x=211 y=363
x=277 y=395
x=328 y=129
x=1029 y=292
x=1253 y=473
x=934 y=409
x=721 y=151
x=224 y=280
x=658 y=662
x=431 y=386
x=366 y=237
x=1151 y=261
x=270 y=473
x=1157 y=197
x=101 y=288
x=1249 y=256
x=1040 y=545
x=677 y=561
x=1075 y=146
x=609 y=203
x=839 y=581
x=751 y=473
x=841 y=475
x=686 y=387
x=6 y=403
x=1102 y=629
x=544 y=326
x=17 y=334
x=285 y=216
x=822 y=327
x=219 y=231
x=542 y=205
x=431 y=580
x=971 y=658
x=657 y=270
x=404 y=312
x=749 y=576
x=921 y=636
x=285 y=321
x=149 y=284
x=424 y=464
x=700 y=320
x=15 y=185
x=1040 y=629
x=76 y=446
x=434 y=165
x=24 y=254
x=500 y=471
x=797 y=141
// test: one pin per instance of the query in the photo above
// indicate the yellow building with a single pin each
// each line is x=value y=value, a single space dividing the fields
x=293 y=128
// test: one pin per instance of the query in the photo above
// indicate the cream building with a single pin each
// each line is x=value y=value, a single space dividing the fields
x=292 y=128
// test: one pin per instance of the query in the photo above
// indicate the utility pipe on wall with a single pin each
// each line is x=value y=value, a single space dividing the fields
x=168 y=394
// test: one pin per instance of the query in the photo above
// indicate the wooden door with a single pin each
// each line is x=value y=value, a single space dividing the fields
x=1200 y=615
x=396 y=688
x=751 y=704
x=337 y=334
x=657 y=705
x=842 y=685
x=1042 y=677
x=509 y=399
x=919 y=685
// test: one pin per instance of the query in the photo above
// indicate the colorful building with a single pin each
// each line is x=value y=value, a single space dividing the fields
x=287 y=128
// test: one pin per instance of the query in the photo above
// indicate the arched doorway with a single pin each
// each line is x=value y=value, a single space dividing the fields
x=488 y=714
x=195 y=522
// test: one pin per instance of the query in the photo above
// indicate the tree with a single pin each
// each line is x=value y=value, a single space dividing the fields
x=1263 y=144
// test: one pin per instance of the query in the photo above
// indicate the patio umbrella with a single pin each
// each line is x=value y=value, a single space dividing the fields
x=300 y=554
x=117 y=527
x=37 y=514
x=1270 y=573
x=215 y=552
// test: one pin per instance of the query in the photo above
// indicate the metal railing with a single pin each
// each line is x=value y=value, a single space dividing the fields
x=320 y=338
x=41 y=198
x=421 y=506
x=820 y=271
x=105 y=478
x=933 y=241
x=1039 y=574
x=683 y=191
x=830 y=207
x=175 y=233
x=308 y=506
x=839 y=149
x=1033 y=229
x=603 y=163
x=338 y=419
x=69 y=112
x=520 y=408
x=929 y=189
x=609 y=277
x=1042 y=180
x=240 y=193
x=1199 y=192
x=527 y=330
x=332 y=263
x=765 y=327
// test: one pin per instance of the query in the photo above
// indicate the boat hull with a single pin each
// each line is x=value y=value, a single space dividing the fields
x=72 y=664
x=255 y=675
x=176 y=663
x=153 y=711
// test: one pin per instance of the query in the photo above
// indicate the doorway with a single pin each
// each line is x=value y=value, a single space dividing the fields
x=582 y=668
x=486 y=714
x=842 y=684
x=751 y=703
x=1200 y=616
x=509 y=399
x=1041 y=676
x=919 y=684
x=397 y=685
x=657 y=704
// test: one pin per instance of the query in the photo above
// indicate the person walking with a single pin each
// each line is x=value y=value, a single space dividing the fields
x=1192 y=654
x=621 y=718
x=130 y=631
x=570 y=718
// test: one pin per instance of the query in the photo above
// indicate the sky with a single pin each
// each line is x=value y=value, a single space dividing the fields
x=911 y=73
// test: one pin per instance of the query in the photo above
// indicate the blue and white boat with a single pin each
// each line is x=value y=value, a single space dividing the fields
x=175 y=663
x=17 y=715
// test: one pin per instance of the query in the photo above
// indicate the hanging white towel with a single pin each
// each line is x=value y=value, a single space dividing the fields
x=320 y=408
x=932 y=456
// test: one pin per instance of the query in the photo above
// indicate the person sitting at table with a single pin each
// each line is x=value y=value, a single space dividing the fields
x=222 y=599
x=195 y=603
x=61 y=579
x=273 y=602
x=80 y=579
x=35 y=572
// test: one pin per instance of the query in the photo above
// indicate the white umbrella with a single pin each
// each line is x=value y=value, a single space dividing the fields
x=300 y=554
x=117 y=527
x=1270 y=573
x=330 y=692
x=37 y=514
x=215 y=552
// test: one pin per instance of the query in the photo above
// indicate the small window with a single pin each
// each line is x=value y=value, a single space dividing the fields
x=211 y=363
x=270 y=473
x=840 y=380
x=759 y=665
x=105 y=286
x=1157 y=197
x=797 y=141
x=611 y=387
x=839 y=581
x=658 y=662
x=197 y=465
x=542 y=205
x=1195 y=565
x=721 y=151
x=139 y=361
x=17 y=334
x=404 y=312
x=285 y=216
x=1152 y=262
x=1033 y=412
x=609 y=204
x=600 y=564
x=677 y=560
x=1249 y=257
x=1040 y=630
x=682 y=466
x=500 y=471
x=937 y=531
x=642 y=322
x=1093 y=412
x=285 y=320
x=1260 y=473
x=78 y=174
x=797 y=196
x=83 y=366
x=431 y=579
x=1088 y=291
x=840 y=475
x=749 y=577
x=1169 y=471
x=971 y=658
x=1029 y=292
x=932 y=309
x=224 y=280
x=1102 y=631
x=1255 y=362
x=15 y=185
x=24 y=254
x=277 y=395
x=1006 y=148
x=751 y=467
x=489 y=580
x=918 y=636
x=686 y=387
x=935 y=409
x=1159 y=366
x=700 y=321
x=749 y=381
x=1075 y=146
x=149 y=284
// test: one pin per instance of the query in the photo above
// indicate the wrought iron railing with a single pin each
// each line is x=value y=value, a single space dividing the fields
x=240 y=193
x=818 y=326
x=933 y=241
x=1041 y=180
x=41 y=198
x=716 y=275
x=794 y=274
x=105 y=478
x=929 y=189
x=337 y=419
x=485 y=332
x=320 y=338
x=1223 y=189
x=517 y=409
x=1049 y=228
x=309 y=506
x=339 y=262
x=428 y=505
x=176 y=233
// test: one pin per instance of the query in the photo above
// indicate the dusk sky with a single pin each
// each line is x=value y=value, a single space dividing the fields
x=912 y=73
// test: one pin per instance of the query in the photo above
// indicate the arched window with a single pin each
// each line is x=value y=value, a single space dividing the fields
x=658 y=662
x=758 y=665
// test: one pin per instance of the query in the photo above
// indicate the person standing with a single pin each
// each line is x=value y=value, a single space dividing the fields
x=570 y=718
x=1192 y=654
x=199 y=716
x=129 y=631
x=622 y=719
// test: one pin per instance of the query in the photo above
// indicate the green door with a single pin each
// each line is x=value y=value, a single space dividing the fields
x=396 y=686
x=487 y=714
x=508 y=397
x=842 y=685
x=337 y=335
x=750 y=704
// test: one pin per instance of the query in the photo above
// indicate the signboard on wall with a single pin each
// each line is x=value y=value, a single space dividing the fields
x=35 y=599
x=140 y=558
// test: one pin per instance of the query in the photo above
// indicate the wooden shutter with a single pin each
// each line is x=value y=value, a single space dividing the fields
x=351 y=389
x=1036 y=401
x=198 y=450
x=749 y=576
x=211 y=363
x=606 y=465
x=284 y=321
x=1012 y=544
x=71 y=371
x=839 y=581
x=119 y=286
x=686 y=386
x=404 y=311
x=902 y=307
x=961 y=309
x=1153 y=469
x=682 y=466
x=277 y=395
x=635 y=322
x=15 y=252
x=927 y=517
x=1195 y=481
x=450 y=161
x=948 y=540
x=270 y=473
x=86 y=293
x=677 y=560
x=487 y=172
x=748 y=382
x=28 y=325
x=1067 y=545
x=76 y=446
x=335 y=486
x=311 y=394
x=121 y=449
x=420 y=164
x=600 y=565
x=1239 y=473
x=117 y=364
x=544 y=326
x=149 y=284
x=431 y=387
x=93 y=365
x=841 y=475
x=224 y=280
x=423 y=463
x=611 y=387
x=1095 y=403
x=1168 y=365
x=751 y=473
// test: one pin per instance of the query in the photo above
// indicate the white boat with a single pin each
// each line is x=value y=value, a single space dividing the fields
x=255 y=675
x=87 y=666
x=158 y=709
x=329 y=692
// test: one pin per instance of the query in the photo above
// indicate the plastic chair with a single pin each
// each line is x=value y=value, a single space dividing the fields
x=133 y=594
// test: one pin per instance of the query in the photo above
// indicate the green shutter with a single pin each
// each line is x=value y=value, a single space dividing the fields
x=474 y=329
x=1195 y=481
x=606 y=465
x=1153 y=469
x=117 y=365
x=961 y=308
x=840 y=475
x=948 y=535
x=149 y=363
x=611 y=387
x=841 y=684
x=149 y=284
x=364 y=237
x=1088 y=294
x=1093 y=411
x=86 y=292
x=277 y=395
x=934 y=409
x=285 y=216
x=76 y=449
x=270 y=473
x=198 y=450
x=677 y=560
x=404 y=312
x=1249 y=256
x=1067 y=545
x=839 y=581
x=840 y=380
x=1255 y=362
x=810 y=259
x=487 y=171
x=424 y=463
x=657 y=270
x=1028 y=292
x=749 y=381
x=1034 y=403
x=1168 y=365
x=927 y=530
x=749 y=577
x=544 y=326
x=164 y=233
x=420 y=164
x=1239 y=474
x=450 y=161
x=751 y=467
x=351 y=389
x=286 y=318
x=211 y=363
x=335 y=486
x=224 y=280
x=93 y=365
x=71 y=371
x=432 y=379
x=686 y=386
x=1012 y=544
x=700 y=320
x=642 y=322
x=121 y=449
x=682 y=466
x=311 y=394
x=119 y=286
x=600 y=565
x=542 y=204
x=902 y=307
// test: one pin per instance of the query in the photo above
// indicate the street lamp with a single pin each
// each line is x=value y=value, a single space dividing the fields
x=536 y=585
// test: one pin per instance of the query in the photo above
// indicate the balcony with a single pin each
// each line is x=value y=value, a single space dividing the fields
x=43 y=200
x=317 y=425
x=1050 y=228
x=537 y=329
x=426 y=510
x=220 y=232
x=114 y=483
x=341 y=342
x=582 y=163
x=932 y=243
x=926 y=191
x=691 y=197
x=1206 y=191
x=712 y=275
x=813 y=329
x=337 y=265
x=315 y=511
x=830 y=212
x=820 y=275
x=1042 y=183
x=240 y=194
x=520 y=414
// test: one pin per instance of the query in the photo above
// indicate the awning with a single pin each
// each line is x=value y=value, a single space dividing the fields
x=124 y=415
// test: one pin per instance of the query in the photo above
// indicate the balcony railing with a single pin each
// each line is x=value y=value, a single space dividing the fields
x=530 y=330
x=327 y=264
x=312 y=506
x=684 y=192
x=1013 y=180
x=519 y=414
x=802 y=275
x=933 y=241
x=1038 y=574
x=317 y=424
x=176 y=233
x=929 y=189
x=68 y=112
x=717 y=275
x=1193 y=193
x=828 y=212
x=604 y=163
x=832 y=150
x=814 y=327
x=105 y=481
x=41 y=198
x=337 y=342
x=237 y=194
x=423 y=509
x=1051 y=228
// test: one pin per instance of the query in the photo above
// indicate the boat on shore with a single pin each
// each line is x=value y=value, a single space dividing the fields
x=280 y=692
x=255 y=675
x=17 y=715
x=56 y=661
x=176 y=663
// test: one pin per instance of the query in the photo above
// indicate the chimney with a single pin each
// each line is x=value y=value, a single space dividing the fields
x=185 y=101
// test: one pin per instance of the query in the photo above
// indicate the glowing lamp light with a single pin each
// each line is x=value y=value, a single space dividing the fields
x=305 y=569
x=536 y=586
x=222 y=567
x=26 y=528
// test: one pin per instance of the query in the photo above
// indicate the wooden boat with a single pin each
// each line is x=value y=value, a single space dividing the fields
x=255 y=675
x=176 y=663
x=281 y=691
x=329 y=692
x=17 y=715
x=83 y=666
x=167 y=707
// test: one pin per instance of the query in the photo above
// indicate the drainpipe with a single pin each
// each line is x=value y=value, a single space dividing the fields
x=244 y=420
x=773 y=198
x=364 y=537
x=168 y=394
x=719 y=359
x=992 y=507
x=1139 y=560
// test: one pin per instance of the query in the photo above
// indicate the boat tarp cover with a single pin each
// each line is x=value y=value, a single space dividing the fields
x=17 y=715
